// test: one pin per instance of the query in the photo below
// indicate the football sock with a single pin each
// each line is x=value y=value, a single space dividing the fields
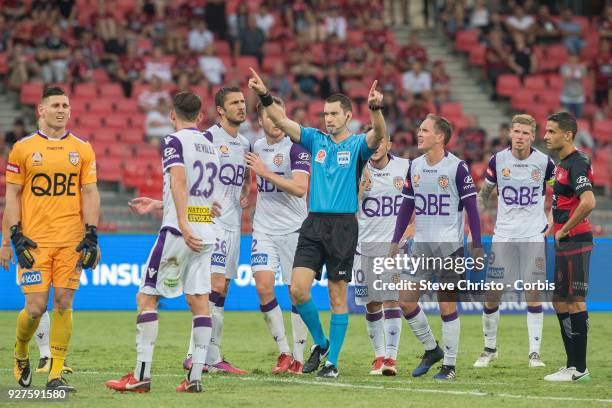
x=201 y=330
x=580 y=328
x=566 y=334
x=299 y=330
x=535 y=323
x=42 y=335
x=273 y=316
x=337 y=330
x=490 y=322
x=375 y=327
x=451 y=329
x=26 y=326
x=59 y=338
x=393 y=331
x=417 y=320
x=146 y=335
x=214 y=349
x=310 y=315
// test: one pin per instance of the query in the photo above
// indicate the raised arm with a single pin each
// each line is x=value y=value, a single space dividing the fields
x=274 y=111
x=379 y=128
x=297 y=185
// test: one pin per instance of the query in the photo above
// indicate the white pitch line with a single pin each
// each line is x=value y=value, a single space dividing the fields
x=375 y=387
x=425 y=390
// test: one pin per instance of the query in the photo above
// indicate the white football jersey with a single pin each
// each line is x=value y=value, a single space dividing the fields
x=231 y=151
x=277 y=212
x=437 y=192
x=380 y=203
x=191 y=149
x=521 y=186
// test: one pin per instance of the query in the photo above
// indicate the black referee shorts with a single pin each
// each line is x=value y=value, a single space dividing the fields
x=572 y=259
x=328 y=239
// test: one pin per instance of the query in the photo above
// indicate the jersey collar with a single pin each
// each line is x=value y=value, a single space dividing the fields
x=41 y=134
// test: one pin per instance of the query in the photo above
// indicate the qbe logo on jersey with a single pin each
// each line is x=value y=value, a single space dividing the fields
x=31 y=278
x=344 y=158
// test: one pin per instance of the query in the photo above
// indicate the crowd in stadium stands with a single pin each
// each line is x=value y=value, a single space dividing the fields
x=129 y=57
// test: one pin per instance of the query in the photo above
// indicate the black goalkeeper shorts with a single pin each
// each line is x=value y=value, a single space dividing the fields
x=330 y=240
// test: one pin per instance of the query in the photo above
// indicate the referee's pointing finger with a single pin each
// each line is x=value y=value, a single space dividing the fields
x=373 y=88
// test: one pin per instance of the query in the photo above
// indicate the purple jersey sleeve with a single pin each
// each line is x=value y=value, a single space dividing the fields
x=464 y=181
x=299 y=158
x=408 y=190
x=172 y=152
x=491 y=172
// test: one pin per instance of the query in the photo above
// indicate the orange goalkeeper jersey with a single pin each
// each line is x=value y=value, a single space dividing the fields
x=51 y=173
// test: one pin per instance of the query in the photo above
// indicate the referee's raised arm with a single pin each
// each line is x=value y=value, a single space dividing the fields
x=379 y=128
x=274 y=111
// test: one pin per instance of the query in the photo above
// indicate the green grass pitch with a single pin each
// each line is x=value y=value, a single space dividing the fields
x=103 y=347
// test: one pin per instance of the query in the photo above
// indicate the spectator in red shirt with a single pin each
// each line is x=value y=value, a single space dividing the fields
x=411 y=53
x=602 y=74
x=375 y=36
x=440 y=83
x=129 y=70
x=471 y=141
x=498 y=60
x=605 y=25
x=417 y=111
x=78 y=69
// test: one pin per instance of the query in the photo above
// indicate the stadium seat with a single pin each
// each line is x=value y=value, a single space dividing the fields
x=507 y=84
x=244 y=63
x=104 y=135
x=550 y=99
x=451 y=109
x=522 y=100
x=477 y=55
x=126 y=106
x=222 y=48
x=272 y=48
x=99 y=76
x=534 y=83
x=31 y=93
x=86 y=90
x=117 y=121
x=100 y=105
x=91 y=120
x=602 y=130
x=272 y=61
x=109 y=169
x=3 y=63
x=111 y=89
x=466 y=40
x=131 y=136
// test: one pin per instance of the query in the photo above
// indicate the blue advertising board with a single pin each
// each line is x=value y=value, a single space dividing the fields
x=114 y=283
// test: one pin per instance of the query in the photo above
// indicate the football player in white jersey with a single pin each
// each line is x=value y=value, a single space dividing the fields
x=282 y=169
x=234 y=183
x=180 y=260
x=380 y=198
x=518 y=252
x=437 y=188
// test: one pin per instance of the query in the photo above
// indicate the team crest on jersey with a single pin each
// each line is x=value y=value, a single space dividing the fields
x=320 y=157
x=443 y=181
x=74 y=158
x=278 y=160
x=415 y=180
x=506 y=172
x=398 y=182
x=224 y=150
x=36 y=159
x=539 y=263
x=536 y=175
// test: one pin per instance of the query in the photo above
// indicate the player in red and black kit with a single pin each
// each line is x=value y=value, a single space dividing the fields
x=573 y=201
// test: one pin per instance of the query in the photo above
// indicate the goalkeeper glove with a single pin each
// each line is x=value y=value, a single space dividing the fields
x=89 y=246
x=22 y=243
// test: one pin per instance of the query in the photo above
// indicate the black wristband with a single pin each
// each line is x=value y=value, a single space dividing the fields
x=375 y=107
x=266 y=99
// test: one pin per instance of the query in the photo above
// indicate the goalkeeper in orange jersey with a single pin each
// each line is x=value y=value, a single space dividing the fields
x=52 y=208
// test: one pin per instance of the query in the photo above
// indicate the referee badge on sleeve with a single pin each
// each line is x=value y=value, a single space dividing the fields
x=320 y=157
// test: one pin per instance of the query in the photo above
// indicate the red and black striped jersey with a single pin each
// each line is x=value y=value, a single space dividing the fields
x=573 y=176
